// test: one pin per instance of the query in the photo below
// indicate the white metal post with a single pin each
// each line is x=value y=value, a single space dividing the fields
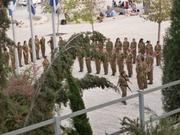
x=141 y=108
x=53 y=23
x=15 y=48
x=29 y=2
x=57 y=125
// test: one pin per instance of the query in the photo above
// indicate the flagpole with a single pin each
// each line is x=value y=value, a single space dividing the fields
x=53 y=23
x=29 y=2
x=15 y=48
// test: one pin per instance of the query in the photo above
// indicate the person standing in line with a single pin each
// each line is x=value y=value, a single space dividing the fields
x=133 y=49
x=150 y=61
x=118 y=45
x=125 y=46
x=25 y=52
x=19 y=48
x=109 y=46
x=105 y=61
x=50 y=42
x=157 y=50
x=120 y=61
x=141 y=47
x=42 y=45
x=113 y=62
x=30 y=49
x=129 y=63
x=37 y=47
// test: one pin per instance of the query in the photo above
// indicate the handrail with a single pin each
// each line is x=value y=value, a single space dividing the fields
x=80 y=112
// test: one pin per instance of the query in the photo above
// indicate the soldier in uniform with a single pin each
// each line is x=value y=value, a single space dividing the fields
x=141 y=47
x=141 y=69
x=97 y=60
x=133 y=49
x=120 y=61
x=129 y=63
x=105 y=61
x=158 y=53
x=125 y=46
x=123 y=84
x=50 y=42
x=149 y=61
x=80 y=56
x=42 y=45
x=45 y=63
x=37 y=47
x=149 y=48
x=118 y=45
x=61 y=42
x=109 y=46
x=30 y=49
x=88 y=61
x=113 y=62
x=19 y=48
x=25 y=52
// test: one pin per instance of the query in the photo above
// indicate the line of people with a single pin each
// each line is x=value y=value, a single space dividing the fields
x=121 y=53
x=25 y=51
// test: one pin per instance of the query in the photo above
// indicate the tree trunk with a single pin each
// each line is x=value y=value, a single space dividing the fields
x=92 y=26
x=159 y=31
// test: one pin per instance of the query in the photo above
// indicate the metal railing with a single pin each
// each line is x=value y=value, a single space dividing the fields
x=57 y=119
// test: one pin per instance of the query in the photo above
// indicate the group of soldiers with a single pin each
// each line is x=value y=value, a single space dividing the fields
x=25 y=51
x=118 y=55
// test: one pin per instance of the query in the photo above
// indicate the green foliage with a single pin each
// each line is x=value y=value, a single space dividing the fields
x=81 y=122
x=90 y=81
x=163 y=127
x=159 y=11
x=171 y=68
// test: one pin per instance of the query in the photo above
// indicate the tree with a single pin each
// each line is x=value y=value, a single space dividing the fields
x=171 y=68
x=4 y=25
x=159 y=11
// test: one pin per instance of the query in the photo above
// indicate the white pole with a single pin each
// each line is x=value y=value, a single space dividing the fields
x=15 y=48
x=29 y=2
x=53 y=23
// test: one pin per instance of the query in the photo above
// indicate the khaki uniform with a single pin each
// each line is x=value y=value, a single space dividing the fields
x=98 y=57
x=122 y=83
x=109 y=47
x=149 y=49
x=61 y=43
x=141 y=75
x=105 y=62
x=158 y=54
x=118 y=46
x=30 y=49
x=120 y=62
x=88 y=62
x=25 y=53
x=129 y=63
x=42 y=45
x=20 y=49
x=51 y=44
x=113 y=62
x=125 y=47
x=133 y=50
x=100 y=46
x=45 y=64
x=149 y=61
x=80 y=56
x=37 y=46
x=141 y=48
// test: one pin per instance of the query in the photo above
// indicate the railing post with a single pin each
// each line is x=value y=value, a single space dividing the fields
x=57 y=125
x=141 y=108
